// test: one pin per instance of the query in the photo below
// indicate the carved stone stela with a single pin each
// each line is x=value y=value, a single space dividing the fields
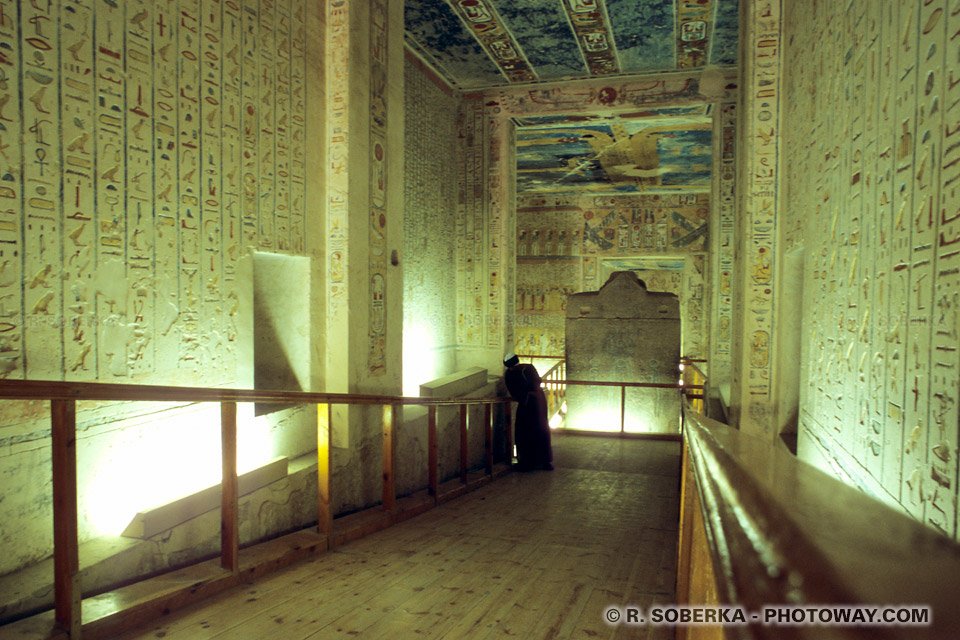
x=623 y=333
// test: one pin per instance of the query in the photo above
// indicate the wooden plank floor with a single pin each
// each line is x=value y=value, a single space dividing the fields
x=534 y=555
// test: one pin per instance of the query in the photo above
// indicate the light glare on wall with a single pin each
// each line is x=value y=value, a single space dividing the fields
x=419 y=359
x=168 y=457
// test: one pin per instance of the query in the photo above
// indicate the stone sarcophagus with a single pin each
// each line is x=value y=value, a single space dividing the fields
x=623 y=333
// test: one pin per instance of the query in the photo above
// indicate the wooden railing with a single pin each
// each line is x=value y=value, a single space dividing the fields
x=554 y=389
x=761 y=529
x=555 y=384
x=63 y=397
x=693 y=391
x=694 y=378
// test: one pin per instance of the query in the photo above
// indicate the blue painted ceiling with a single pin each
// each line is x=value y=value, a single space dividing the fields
x=476 y=44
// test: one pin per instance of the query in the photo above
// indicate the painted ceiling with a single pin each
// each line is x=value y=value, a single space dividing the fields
x=658 y=151
x=476 y=44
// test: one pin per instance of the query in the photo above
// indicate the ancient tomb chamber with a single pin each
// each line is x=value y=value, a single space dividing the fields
x=623 y=333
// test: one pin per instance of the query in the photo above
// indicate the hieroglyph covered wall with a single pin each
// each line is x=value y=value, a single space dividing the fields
x=429 y=230
x=562 y=241
x=722 y=241
x=146 y=146
x=872 y=109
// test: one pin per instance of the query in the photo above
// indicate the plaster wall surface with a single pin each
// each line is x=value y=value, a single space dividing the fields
x=871 y=179
x=430 y=224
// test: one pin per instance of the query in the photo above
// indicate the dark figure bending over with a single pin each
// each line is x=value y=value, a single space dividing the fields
x=532 y=429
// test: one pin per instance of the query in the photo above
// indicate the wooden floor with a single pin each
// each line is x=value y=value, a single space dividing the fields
x=533 y=555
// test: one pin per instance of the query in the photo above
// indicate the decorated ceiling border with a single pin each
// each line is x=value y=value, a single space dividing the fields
x=591 y=26
x=482 y=19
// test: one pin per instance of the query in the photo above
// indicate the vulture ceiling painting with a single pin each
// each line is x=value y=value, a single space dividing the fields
x=659 y=151
x=476 y=44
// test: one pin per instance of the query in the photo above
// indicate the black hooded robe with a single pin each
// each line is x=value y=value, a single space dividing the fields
x=532 y=428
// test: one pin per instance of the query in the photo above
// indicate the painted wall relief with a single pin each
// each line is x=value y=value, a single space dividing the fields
x=873 y=201
x=570 y=244
x=181 y=146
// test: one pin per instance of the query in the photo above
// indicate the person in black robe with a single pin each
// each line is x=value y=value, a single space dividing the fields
x=532 y=428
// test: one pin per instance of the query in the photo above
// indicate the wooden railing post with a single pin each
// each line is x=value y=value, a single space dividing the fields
x=488 y=437
x=432 y=450
x=229 y=514
x=389 y=456
x=463 y=443
x=66 y=557
x=324 y=504
x=623 y=409
x=508 y=430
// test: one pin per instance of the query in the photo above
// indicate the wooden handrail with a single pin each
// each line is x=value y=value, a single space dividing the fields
x=103 y=391
x=781 y=532
x=644 y=385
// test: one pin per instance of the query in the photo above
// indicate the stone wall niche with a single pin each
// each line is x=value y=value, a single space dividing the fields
x=281 y=324
x=623 y=333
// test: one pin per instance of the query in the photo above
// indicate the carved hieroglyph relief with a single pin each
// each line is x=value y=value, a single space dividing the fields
x=143 y=151
x=872 y=173
x=564 y=243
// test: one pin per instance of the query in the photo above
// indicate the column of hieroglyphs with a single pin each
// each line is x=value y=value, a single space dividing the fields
x=231 y=178
x=760 y=123
x=929 y=453
x=297 y=126
x=887 y=409
x=165 y=189
x=495 y=138
x=11 y=220
x=826 y=314
x=298 y=129
x=338 y=133
x=140 y=263
x=928 y=30
x=263 y=54
x=470 y=224
x=189 y=176
x=79 y=248
x=110 y=218
x=509 y=243
x=902 y=43
x=39 y=78
x=851 y=228
x=210 y=95
x=281 y=126
x=724 y=221
x=873 y=270
x=814 y=160
x=695 y=339
x=945 y=366
x=500 y=212
x=377 y=356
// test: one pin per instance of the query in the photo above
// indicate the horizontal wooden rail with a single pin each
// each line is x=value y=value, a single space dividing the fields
x=641 y=385
x=774 y=530
x=59 y=390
